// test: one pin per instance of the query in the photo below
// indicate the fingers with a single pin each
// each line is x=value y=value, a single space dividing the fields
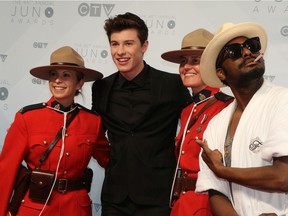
x=203 y=144
x=200 y=142
x=208 y=153
x=219 y=155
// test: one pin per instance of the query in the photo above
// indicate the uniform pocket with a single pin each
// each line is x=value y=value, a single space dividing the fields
x=85 y=147
x=38 y=144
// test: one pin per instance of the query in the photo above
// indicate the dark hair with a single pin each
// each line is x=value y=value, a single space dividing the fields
x=79 y=76
x=126 y=21
x=220 y=57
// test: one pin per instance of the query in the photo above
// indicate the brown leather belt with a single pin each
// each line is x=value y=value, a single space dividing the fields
x=187 y=183
x=63 y=185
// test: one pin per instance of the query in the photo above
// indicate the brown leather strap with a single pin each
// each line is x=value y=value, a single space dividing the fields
x=210 y=102
x=188 y=183
x=56 y=138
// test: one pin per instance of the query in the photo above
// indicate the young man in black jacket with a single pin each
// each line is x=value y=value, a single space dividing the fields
x=140 y=107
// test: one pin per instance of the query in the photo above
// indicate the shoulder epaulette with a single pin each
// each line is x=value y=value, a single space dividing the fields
x=223 y=97
x=87 y=110
x=32 y=107
x=189 y=102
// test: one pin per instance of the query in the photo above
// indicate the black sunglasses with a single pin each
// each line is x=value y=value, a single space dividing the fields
x=235 y=51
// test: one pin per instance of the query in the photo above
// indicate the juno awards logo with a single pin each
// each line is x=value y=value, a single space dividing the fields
x=284 y=31
x=3 y=93
x=32 y=12
x=160 y=24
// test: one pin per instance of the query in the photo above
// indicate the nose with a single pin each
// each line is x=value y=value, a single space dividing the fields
x=246 y=52
x=58 y=79
x=120 y=50
x=187 y=66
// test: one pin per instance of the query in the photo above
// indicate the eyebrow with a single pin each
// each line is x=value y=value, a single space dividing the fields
x=125 y=41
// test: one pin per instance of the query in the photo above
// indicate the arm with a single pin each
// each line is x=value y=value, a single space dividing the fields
x=102 y=148
x=97 y=95
x=13 y=151
x=220 y=204
x=94 y=95
x=272 y=178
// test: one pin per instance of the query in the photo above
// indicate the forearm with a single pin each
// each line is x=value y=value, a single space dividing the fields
x=272 y=178
x=220 y=204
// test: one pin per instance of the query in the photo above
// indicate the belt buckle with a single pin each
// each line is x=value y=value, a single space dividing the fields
x=62 y=185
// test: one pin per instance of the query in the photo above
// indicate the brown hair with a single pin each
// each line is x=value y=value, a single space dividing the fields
x=79 y=76
x=126 y=21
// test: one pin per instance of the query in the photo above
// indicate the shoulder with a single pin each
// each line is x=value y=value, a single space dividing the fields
x=158 y=72
x=223 y=97
x=81 y=107
x=166 y=74
x=32 y=107
x=109 y=77
x=105 y=81
x=167 y=77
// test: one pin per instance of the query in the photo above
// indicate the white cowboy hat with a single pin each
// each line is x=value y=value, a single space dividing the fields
x=227 y=32
x=192 y=43
x=66 y=58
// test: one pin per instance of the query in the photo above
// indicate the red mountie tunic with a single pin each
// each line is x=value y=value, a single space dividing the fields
x=28 y=137
x=189 y=203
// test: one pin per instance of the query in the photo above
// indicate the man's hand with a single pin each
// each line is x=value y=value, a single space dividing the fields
x=213 y=158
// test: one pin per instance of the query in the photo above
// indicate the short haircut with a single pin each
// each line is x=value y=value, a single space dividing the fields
x=126 y=21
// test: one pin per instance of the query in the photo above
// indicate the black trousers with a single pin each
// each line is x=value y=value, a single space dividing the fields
x=130 y=208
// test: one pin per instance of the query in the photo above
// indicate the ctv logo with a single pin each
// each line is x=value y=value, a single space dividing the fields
x=94 y=10
x=3 y=57
x=40 y=45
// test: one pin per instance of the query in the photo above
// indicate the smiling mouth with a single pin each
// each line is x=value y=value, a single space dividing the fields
x=190 y=74
x=59 y=88
x=122 y=59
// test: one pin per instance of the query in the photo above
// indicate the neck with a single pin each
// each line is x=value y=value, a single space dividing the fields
x=243 y=94
x=63 y=106
x=195 y=90
x=131 y=74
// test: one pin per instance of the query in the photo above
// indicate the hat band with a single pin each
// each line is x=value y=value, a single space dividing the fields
x=64 y=63
x=193 y=47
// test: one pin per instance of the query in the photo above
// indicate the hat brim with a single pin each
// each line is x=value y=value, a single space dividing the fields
x=211 y=52
x=177 y=55
x=43 y=72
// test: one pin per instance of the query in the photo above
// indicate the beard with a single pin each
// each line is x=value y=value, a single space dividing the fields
x=255 y=73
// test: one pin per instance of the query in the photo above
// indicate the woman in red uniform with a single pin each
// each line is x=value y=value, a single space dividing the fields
x=187 y=150
x=35 y=127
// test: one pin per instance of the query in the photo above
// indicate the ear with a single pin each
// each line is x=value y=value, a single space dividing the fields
x=145 y=46
x=80 y=84
x=220 y=74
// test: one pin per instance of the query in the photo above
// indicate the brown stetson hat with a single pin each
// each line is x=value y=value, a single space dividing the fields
x=66 y=58
x=192 y=43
